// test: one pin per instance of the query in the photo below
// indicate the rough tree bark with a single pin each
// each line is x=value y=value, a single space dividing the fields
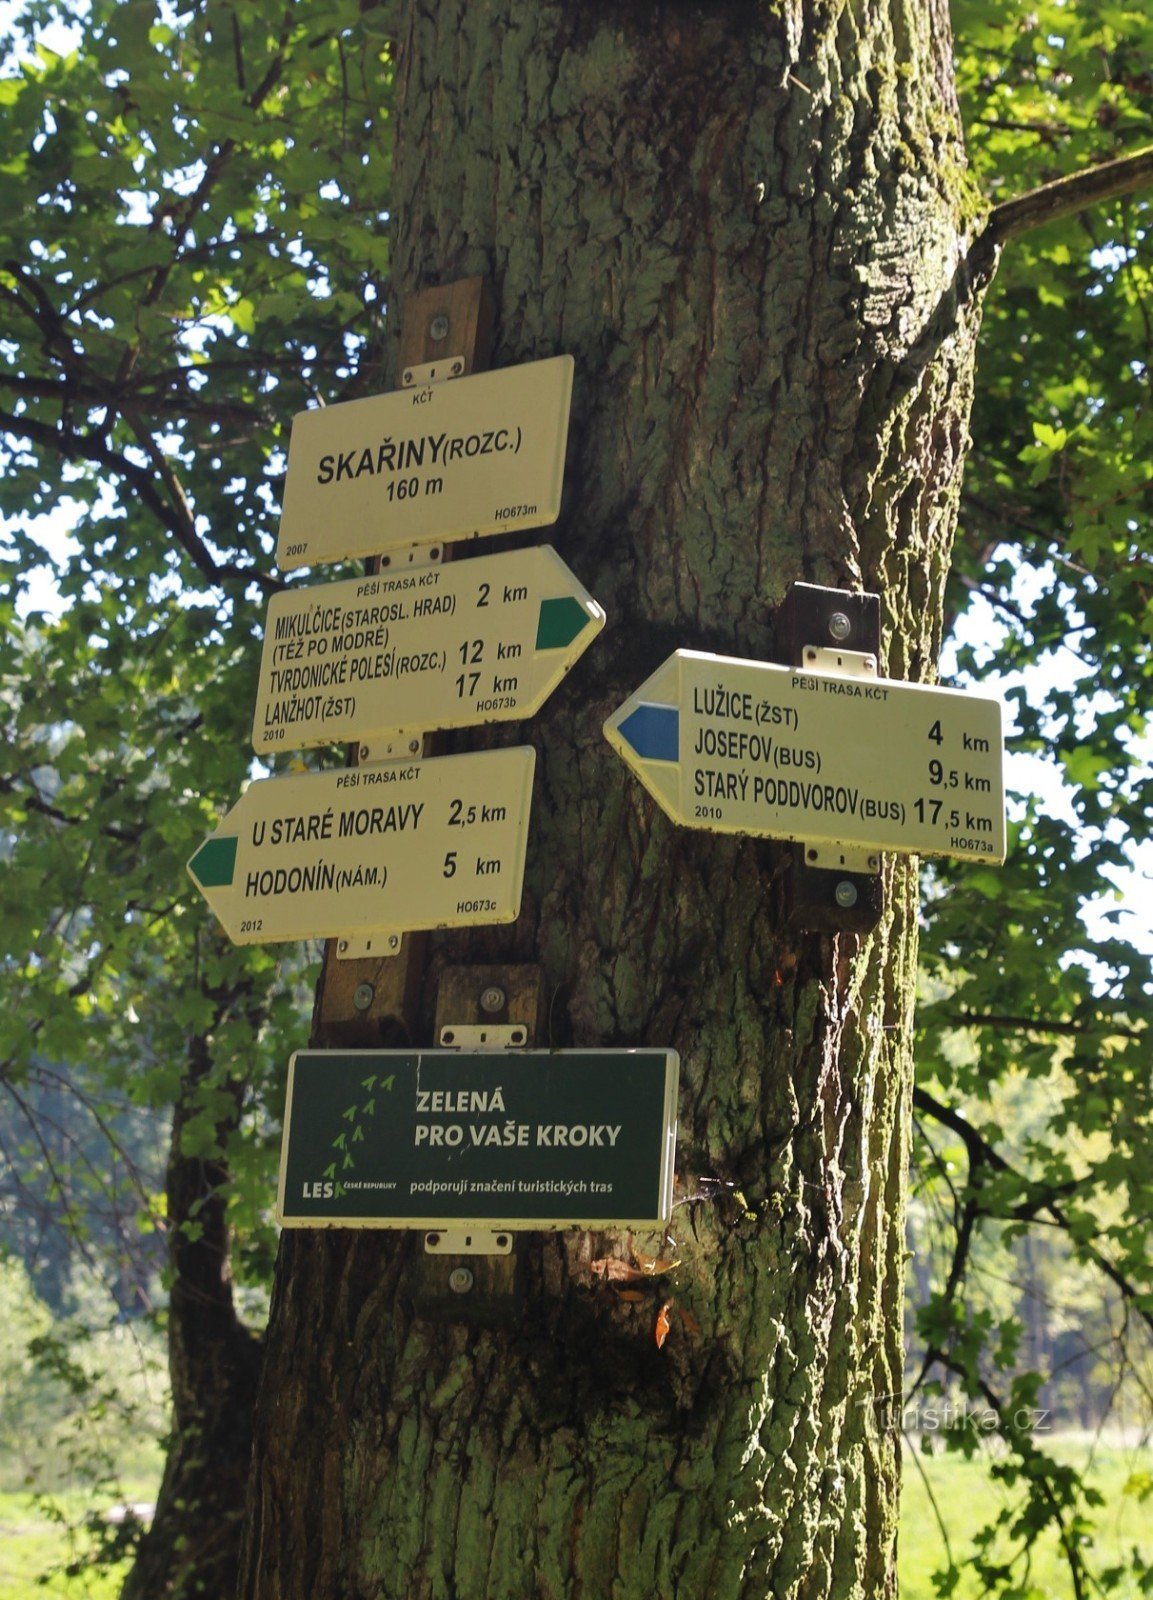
x=749 y=225
x=192 y=1546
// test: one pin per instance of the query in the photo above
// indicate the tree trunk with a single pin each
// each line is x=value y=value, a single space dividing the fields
x=192 y=1547
x=748 y=225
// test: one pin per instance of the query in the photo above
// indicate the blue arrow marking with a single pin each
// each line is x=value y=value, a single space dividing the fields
x=654 y=732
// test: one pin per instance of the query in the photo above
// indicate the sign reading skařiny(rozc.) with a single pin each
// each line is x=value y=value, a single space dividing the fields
x=452 y=460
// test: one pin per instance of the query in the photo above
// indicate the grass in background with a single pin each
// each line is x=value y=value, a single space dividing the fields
x=968 y=1500
x=34 y=1544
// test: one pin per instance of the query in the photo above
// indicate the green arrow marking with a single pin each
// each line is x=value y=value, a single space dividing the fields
x=559 y=622
x=215 y=862
x=369 y=1082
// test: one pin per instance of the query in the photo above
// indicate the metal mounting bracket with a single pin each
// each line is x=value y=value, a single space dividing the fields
x=409 y=555
x=484 y=1036
x=400 y=745
x=426 y=372
x=468 y=1242
x=832 y=888
x=838 y=663
x=375 y=944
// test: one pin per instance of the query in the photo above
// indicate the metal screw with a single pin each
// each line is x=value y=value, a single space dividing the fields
x=364 y=752
x=447 y=1036
x=846 y=894
x=407 y=378
x=457 y=368
x=342 y=944
x=517 y=1036
x=393 y=941
x=839 y=626
x=432 y=1240
x=810 y=655
x=870 y=663
x=414 y=745
x=492 y=998
x=875 y=863
x=460 y=1280
x=363 y=996
x=438 y=327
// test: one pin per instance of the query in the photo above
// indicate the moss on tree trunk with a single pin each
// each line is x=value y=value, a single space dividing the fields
x=748 y=225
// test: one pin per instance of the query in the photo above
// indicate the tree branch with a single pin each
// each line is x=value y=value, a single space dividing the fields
x=1065 y=197
x=981 y=1153
x=73 y=446
x=1065 y=1030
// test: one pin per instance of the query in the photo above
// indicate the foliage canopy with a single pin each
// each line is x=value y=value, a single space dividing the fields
x=197 y=208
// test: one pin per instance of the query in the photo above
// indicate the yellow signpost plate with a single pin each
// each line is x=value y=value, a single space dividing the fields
x=438 y=843
x=485 y=640
x=452 y=460
x=748 y=747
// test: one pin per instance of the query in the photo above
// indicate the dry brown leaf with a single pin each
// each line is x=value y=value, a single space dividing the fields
x=661 y=1331
x=654 y=1266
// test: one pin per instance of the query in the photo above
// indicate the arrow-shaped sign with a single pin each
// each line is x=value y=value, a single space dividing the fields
x=449 y=646
x=748 y=747
x=438 y=843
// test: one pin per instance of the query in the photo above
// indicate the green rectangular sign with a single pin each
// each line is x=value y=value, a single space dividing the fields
x=440 y=1138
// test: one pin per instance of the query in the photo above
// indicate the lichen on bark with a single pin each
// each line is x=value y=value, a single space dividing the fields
x=747 y=225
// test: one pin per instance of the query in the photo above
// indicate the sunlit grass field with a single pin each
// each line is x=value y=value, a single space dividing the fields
x=967 y=1500
x=33 y=1547
x=31 y=1544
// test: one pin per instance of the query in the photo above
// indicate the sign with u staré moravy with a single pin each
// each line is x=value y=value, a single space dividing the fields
x=452 y=460
x=505 y=1139
x=483 y=640
x=778 y=752
x=438 y=843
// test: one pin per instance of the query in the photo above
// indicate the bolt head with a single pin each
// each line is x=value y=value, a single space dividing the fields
x=492 y=999
x=460 y=1280
x=438 y=327
x=839 y=626
x=364 y=996
x=845 y=894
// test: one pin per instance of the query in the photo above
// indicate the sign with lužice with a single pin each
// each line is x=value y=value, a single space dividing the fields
x=749 y=747
x=452 y=460
x=438 y=843
x=507 y=1139
x=449 y=646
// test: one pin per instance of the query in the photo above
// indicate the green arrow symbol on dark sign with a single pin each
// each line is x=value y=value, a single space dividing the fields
x=215 y=862
x=559 y=622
